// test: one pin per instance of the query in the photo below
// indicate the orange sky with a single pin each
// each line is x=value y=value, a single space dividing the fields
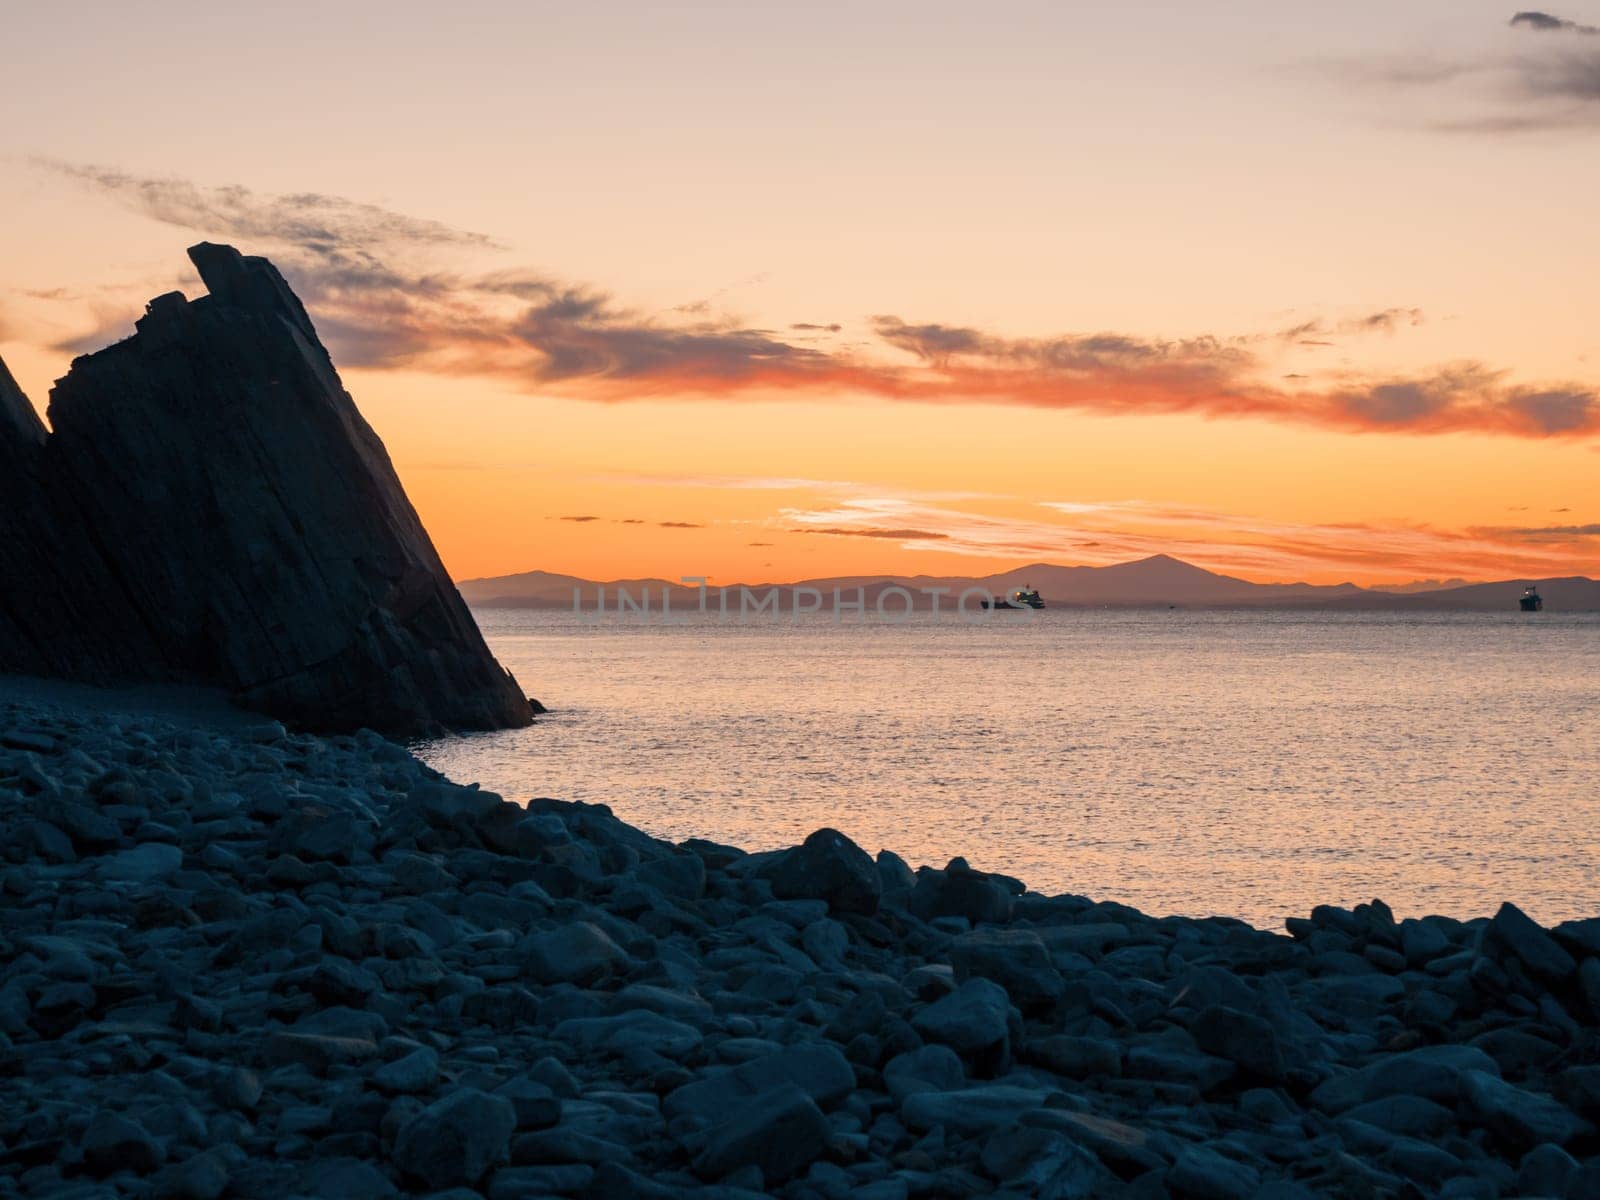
x=1290 y=294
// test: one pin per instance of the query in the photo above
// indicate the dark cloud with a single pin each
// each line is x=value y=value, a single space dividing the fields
x=631 y=521
x=1558 y=531
x=379 y=300
x=307 y=219
x=903 y=535
x=808 y=327
x=1568 y=411
x=1465 y=397
x=583 y=337
x=1312 y=332
x=679 y=525
x=1544 y=22
x=1399 y=403
x=758 y=543
x=1572 y=77
x=357 y=268
x=1181 y=367
x=1537 y=85
x=580 y=520
x=1384 y=321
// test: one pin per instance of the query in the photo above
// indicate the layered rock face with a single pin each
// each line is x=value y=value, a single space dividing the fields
x=210 y=507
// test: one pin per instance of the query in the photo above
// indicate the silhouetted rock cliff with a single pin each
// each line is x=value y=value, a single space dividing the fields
x=210 y=507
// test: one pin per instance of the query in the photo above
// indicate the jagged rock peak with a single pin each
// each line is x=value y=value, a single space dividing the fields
x=210 y=507
x=18 y=421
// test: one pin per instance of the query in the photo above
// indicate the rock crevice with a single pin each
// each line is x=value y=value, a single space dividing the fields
x=210 y=507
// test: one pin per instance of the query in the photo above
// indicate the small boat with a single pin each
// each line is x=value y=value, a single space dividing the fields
x=1023 y=597
x=1531 y=601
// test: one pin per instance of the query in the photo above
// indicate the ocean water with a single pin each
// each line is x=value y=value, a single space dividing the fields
x=1247 y=764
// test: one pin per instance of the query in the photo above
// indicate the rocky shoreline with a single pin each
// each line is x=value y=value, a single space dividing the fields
x=241 y=962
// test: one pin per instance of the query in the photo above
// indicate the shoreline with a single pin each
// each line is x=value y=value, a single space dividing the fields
x=246 y=962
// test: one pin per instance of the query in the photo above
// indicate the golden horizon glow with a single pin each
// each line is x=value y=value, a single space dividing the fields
x=1090 y=284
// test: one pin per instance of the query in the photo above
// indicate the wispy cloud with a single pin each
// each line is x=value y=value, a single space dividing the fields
x=316 y=221
x=1317 y=330
x=897 y=535
x=371 y=280
x=679 y=525
x=1541 y=84
x=1557 y=531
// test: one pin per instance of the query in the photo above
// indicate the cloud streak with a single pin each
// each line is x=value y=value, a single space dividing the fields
x=1538 y=84
x=371 y=280
x=898 y=535
x=308 y=219
x=1562 y=532
x=1545 y=23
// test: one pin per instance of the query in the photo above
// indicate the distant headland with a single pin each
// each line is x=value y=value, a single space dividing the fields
x=1157 y=581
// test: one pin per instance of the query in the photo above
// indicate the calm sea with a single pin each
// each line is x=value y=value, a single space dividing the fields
x=1248 y=764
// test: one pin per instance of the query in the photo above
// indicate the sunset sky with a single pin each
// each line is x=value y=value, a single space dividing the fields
x=766 y=292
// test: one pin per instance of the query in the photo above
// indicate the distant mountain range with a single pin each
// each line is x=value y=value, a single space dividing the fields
x=1160 y=581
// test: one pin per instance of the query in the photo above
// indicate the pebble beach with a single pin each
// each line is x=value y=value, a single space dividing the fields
x=240 y=961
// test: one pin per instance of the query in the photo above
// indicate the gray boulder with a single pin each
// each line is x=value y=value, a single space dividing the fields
x=1520 y=1118
x=1434 y=1072
x=203 y=1176
x=454 y=1141
x=1545 y=1171
x=1244 y=1039
x=149 y=863
x=1203 y=1174
x=348 y=1179
x=959 y=891
x=1016 y=959
x=817 y=1070
x=974 y=1021
x=830 y=867
x=1041 y=1163
x=927 y=1069
x=637 y=1030
x=1517 y=934
x=415 y=1072
x=115 y=1143
x=971 y=1111
x=778 y=1132
x=580 y=953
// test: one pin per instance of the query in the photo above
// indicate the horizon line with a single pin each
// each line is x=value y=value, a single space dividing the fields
x=689 y=582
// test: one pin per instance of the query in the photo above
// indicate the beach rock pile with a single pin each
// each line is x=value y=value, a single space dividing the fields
x=239 y=962
x=210 y=507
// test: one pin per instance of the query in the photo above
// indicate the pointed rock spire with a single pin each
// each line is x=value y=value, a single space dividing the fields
x=210 y=506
